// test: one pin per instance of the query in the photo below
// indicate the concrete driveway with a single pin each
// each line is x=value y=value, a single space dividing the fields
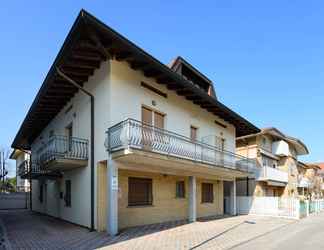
x=26 y=230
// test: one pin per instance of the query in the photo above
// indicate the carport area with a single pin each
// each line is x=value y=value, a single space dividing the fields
x=22 y=229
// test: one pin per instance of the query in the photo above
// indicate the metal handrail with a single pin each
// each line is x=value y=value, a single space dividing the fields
x=135 y=134
x=23 y=168
x=63 y=147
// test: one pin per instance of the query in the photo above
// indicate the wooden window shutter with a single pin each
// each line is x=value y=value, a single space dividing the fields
x=193 y=133
x=158 y=120
x=139 y=191
x=207 y=193
x=147 y=116
x=180 y=189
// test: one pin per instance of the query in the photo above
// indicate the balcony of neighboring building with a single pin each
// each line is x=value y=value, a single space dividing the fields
x=63 y=153
x=32 y=170
x=273 y=176
x=303 y=182
x=143 y=146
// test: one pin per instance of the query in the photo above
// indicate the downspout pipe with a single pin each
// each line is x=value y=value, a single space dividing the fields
x=60 y=73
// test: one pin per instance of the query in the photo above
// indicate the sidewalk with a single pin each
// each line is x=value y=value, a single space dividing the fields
x=26 y=230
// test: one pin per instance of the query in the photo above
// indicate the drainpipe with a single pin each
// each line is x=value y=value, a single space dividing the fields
x=59 y=72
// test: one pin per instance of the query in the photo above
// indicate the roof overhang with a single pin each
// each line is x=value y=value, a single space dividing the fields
x=300 y=147
x=90 y=42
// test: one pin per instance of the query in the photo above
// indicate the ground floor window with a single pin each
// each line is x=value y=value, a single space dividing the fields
x=67 y=197
x=180 y=189
x=207 y=193
x=139 y=191
x=41 y=190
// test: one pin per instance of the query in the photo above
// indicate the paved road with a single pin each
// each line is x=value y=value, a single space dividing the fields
x=304 y=234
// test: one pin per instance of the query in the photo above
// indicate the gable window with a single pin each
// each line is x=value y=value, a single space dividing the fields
x=207 y=193
x=67 y=197
x=180 y=189
x=139 y=191
x=193 y=133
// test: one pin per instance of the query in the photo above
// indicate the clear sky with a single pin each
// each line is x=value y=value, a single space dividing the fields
x=266 y=58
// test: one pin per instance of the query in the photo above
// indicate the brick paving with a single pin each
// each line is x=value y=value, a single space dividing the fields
x=26 y=230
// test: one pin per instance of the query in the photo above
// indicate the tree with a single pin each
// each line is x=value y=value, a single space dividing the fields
x=4 y=156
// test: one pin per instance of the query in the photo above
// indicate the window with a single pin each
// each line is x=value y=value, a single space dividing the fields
x=67 y=197
x=180 y=189
x=139 y=191
x=153 y=118
x=193 y=133
x=41 y=189
x=207 y=193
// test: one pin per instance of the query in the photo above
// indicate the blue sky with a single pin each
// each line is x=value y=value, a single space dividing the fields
x=266 y=58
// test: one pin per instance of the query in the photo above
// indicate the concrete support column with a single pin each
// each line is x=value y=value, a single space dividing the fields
x=192 y=199
x=112 y=198
x=233 y=194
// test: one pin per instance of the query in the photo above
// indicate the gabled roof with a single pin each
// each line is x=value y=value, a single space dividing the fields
x=90 y=42
x=298 y=144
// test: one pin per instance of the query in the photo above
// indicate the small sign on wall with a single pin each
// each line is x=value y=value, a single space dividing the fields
x=114 y=183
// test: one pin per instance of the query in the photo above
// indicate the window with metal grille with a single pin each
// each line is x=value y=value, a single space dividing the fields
x=180 y=189
x=67 y=197
x=139 y=191
x=207 y=193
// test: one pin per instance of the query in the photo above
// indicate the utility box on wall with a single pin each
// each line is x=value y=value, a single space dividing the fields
x=280 y=148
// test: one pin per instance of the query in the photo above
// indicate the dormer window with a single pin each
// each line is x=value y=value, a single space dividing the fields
x=191 y=74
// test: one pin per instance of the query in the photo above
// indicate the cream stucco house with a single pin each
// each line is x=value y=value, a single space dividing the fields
x=118 y=139
x=276 y=156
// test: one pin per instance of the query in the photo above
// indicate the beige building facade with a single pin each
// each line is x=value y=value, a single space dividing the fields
x=276 y=156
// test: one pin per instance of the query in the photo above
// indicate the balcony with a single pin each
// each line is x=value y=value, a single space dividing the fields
x=272 y=176
x=33 y=170
x=63 y=153
x=145 y=144
x=23 y=169
x=303 y=182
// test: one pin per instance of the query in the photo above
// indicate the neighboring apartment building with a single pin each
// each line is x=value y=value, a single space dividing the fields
x=141 y=143
x=276 y=157
x=22 y=160
x=314 y=177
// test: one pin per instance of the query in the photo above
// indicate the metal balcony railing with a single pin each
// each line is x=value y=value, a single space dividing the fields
x=63 y=147
x=138 y=135
x=26 y=166
x=23 y=168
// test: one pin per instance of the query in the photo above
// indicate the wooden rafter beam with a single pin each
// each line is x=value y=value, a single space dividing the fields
x=87 y=64
x=77 y=71
x=124 y=56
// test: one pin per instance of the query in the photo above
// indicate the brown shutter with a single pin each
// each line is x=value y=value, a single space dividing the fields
x=158 y=120
x=193 y=133
x=207 y=193
x=139 y=191
x=146 y=116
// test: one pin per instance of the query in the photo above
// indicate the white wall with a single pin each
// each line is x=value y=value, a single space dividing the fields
x=127 y=97
x=79 y=115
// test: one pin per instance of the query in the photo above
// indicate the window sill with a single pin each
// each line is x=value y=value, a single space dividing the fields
x=139 y=206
